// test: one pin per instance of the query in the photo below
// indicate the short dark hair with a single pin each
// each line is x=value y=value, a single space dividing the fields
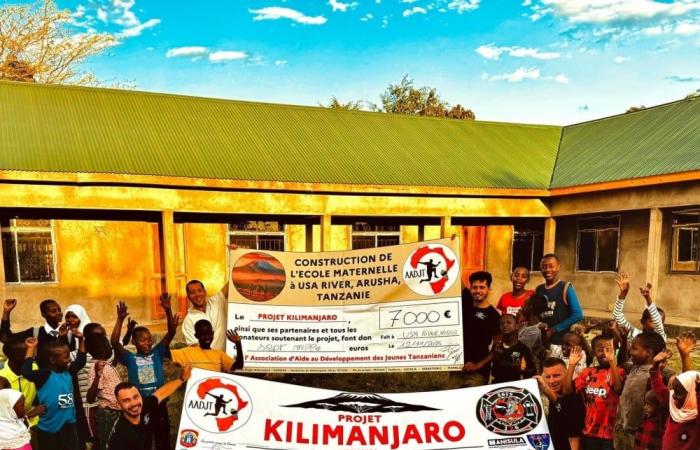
x=124 y=385
x=512 y=316
x=52 y=346
x=651 y=341
x=138 y=331
x=550 y=255
x=14 y=348
x=99 y=347
x=599 y=338
x=551 y=362
x=646 y=315
x=191 y=282
x=44 y=305
x=481 y=276
x=580 y=338
x=538 y=304
x=90 y=328
x=198 y=325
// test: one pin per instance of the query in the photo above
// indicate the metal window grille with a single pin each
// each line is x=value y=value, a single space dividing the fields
x=28 y=251
x=258 y=235
x=365 y=235
x=598 y=244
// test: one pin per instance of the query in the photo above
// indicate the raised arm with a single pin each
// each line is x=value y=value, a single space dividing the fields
x=686 y=343
x=117 y=331
x=170 y=387
x=623 y=282
x=81 y=358
x=657 y=382
x=653 y=311
x=5 y=333
x=233 y=336
x=616 y=378
x=172 y=319
x=575 y=357
x=39 y=376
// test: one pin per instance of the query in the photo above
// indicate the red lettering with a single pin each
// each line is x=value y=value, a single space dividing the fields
x=375 y=437
x=300 y=434
x=332 y=432
x=271 y=430
x=432 y=431
x=446 y=430
x=412 y=433
x=356 y=435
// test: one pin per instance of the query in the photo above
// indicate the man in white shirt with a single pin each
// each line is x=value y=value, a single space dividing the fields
x=212 y=309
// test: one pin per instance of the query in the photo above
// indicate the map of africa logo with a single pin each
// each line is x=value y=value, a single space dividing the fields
x=218 y=405
x=431 y=269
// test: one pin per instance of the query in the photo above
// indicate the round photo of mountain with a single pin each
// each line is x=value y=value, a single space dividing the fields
x=258 y=276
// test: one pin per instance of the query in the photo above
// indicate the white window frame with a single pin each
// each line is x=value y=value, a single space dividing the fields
x=675 y=228
x=14 y=229
x=375 y=234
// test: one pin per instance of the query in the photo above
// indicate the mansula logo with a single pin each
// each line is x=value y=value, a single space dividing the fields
x=218 y=405
x=431 y=269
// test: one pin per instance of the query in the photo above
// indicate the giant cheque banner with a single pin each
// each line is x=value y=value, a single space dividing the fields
x=392 y=308
x=223 y=411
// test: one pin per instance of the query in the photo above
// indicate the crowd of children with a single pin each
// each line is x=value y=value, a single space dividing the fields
x=61 y=388
x=607 y=386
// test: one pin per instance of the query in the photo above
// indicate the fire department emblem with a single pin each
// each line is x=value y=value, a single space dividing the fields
x=509 y=411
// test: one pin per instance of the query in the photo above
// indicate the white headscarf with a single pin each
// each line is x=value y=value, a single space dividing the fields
x=13 y=432
x=689 y=410
x=82 y=315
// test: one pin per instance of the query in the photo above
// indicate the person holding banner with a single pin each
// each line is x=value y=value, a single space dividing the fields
x=481 y=323
x=131 y=430
x=212 y=309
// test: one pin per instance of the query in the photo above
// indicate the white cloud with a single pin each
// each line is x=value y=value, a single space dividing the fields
x=621 y=59
x=340 y=6
x=226 y=55
x=409 y=1
x=490 y=51
x=687 y=28
x=281 y=62
x=277 y=12
x=463 y=5
x=102 y=14
x=367 y=17
x=136 y=30
x=186 y=51
x=385 y=22
x=603 y=11
x=414 y=10
x=527 y=2
x=523 y=73
x=561 y=78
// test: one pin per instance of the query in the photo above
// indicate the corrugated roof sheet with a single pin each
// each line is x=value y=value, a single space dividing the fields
x=72 y=129
x=656 y=141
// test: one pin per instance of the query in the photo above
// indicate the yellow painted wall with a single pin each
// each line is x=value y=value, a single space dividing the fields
x=98 y=264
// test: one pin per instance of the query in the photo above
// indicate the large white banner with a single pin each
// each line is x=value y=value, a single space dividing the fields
x=394 y=308
x=223 y=411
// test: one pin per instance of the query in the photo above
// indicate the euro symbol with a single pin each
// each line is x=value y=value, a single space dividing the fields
x=447 y=313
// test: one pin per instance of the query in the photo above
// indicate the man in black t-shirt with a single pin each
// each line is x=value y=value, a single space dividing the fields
x=131 y=432
x=479 y=325
x=566 y=412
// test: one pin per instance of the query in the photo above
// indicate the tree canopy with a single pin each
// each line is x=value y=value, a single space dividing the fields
x=39 y=44
x=405 y=98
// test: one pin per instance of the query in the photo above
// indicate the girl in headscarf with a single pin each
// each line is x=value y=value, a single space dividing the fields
x=682 y=427
x=14 y=434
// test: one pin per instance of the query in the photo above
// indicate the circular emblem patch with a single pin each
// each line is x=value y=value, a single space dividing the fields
x=509 y=411
x=258 y=276
x=218 y=405
x=431 y=269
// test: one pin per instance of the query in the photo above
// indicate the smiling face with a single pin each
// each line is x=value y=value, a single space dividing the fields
x=142 y=339
x=130 y=401
x=196 y=294
x=479 y=290
x=52 y=313
x=599 y=350
x=72 y=321
x=550 y=268
x=508 y=325
x=204 y=334
x=553 y=377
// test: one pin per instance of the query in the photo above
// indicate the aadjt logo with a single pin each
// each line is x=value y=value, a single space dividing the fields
x=431 y=269
x=217 y=405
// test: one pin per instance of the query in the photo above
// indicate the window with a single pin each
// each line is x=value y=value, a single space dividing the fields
x=258 y=235
x=28 y=250
x=528 y=249
x=598 y=244
x=686 y=241
x=365 y=235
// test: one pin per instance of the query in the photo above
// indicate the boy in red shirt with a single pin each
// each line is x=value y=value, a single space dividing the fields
x=512 y=302
x=600 y=387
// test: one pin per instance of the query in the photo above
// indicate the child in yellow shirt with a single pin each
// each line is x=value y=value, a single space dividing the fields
x=203 y=356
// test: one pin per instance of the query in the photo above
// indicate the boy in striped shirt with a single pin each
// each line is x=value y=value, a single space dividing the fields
x=653 y=318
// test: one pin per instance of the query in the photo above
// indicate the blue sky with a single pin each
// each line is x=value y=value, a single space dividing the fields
x=534 y=61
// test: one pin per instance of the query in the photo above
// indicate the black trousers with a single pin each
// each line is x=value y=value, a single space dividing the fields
x=160 y=427
x=65 y=439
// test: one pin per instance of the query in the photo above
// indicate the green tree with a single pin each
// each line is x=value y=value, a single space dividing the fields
x=39 y=44
x=349 y=106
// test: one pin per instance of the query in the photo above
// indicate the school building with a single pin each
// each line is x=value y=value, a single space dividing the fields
x=109 y=195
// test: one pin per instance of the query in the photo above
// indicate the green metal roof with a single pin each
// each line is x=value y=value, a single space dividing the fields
x=73 y=129
x=656 y=141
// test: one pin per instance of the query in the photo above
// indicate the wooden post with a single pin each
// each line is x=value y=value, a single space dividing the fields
x=326 y=232
x=421 y=233
x=550 y=232
x=446 y=226
x=309 y=236
x=654 y=247
x=3 y=286
x=168 y=244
